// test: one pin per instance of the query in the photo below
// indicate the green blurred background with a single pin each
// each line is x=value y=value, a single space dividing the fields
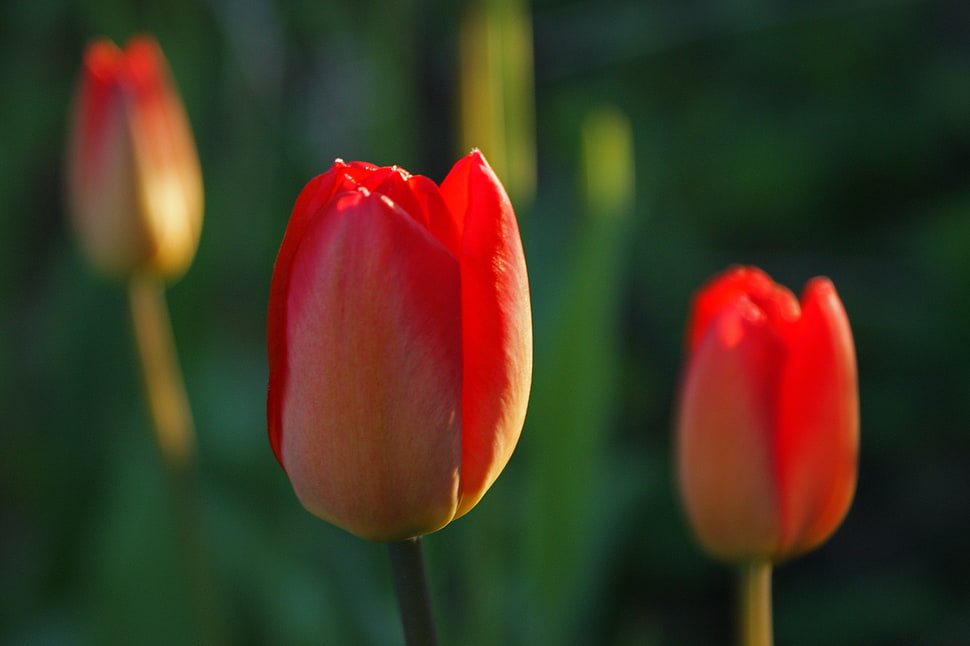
x=805 y=137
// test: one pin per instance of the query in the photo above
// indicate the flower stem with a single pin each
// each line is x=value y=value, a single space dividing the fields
x=168 y=406
x=754 y=620
x=411 y=586
x=167 y=401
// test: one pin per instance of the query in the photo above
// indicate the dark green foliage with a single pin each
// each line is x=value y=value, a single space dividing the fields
x=805 y=137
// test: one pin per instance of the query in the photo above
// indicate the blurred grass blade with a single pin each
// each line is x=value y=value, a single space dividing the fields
x=497 y=94
x=608 y=166
x=568 y=429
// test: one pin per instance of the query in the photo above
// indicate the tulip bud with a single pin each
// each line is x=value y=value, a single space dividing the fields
x=400 y=346
x=768 y=428
x=134 y=184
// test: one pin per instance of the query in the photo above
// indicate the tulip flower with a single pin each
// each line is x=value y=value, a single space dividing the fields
x=134 y=184
x=400 y=346
x=768 y=429
x=134 y=193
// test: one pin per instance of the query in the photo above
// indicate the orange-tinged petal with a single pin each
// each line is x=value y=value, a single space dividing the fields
x=497 y=324
x=371 y=402
x=310 y=201
x=724 y=435
x=170 y=179
x=134 y=182
x=818 y=423
x=101 y=167
x=97 y=102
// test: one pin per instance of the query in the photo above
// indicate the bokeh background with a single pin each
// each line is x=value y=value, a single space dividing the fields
x=828 y=137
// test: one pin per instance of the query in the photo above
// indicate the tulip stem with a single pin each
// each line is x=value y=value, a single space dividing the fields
x=167 y=401
x=168 y=406
x=411 y=586
x=755 y=604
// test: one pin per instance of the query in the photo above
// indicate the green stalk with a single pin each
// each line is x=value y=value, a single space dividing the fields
x=411 y=587
x=167 y=400
x=754 y=620
x=168 y=405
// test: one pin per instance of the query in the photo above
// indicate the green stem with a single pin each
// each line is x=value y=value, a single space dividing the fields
x=411 y=586
x=754 y=621
x=167 y=401
x=168 y=405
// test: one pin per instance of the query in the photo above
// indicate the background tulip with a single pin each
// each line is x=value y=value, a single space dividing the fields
x=768 y=428
x=134 y=184
x=400 y=345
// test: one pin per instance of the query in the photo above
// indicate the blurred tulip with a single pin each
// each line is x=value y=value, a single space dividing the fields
x=768 y=428
x=134 y=183
x=400 y=346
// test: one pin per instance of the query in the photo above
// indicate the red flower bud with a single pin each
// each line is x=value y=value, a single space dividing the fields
x=134 y=184
x=400 y=345
x=768 y=428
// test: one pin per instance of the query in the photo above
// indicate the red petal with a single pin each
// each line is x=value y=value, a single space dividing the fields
x=497 y=324
x=157 y=113
x=724 y=434
x=371 y=405
x=100 y=169
x=97 y=103
x=394 y=183
x=442 y=222
x=312 y=198
x=818 y=424
x=778 y=304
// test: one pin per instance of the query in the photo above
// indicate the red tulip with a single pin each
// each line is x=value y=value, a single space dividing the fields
x=768 y=429
x=400 y=345
x=134 y=184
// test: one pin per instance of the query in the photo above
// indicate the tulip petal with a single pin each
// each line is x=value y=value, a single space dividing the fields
x=170 y=187
x=818 y=424
x=371 y=401
x=442 y=222
x=100 y=168
x=725 y=444
x=98 y=105
x=312 y=198
x=777 y=302
x=497 y=324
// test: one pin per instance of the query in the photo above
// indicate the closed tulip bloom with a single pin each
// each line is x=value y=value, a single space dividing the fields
x=400 y=346
x=768 y=427
x=134 y=184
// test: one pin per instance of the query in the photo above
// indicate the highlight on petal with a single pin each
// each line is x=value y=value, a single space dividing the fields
x=170 y=181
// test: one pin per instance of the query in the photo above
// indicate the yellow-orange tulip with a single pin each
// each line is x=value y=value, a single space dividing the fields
x=134 y=183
